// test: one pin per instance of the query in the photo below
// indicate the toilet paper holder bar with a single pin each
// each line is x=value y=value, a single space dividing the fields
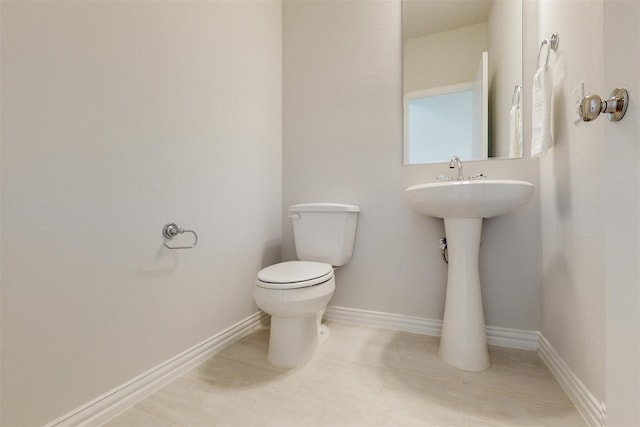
x=171 y=230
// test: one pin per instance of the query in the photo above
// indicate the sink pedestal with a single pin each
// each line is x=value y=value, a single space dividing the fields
x=463 y=205
x=464 y=341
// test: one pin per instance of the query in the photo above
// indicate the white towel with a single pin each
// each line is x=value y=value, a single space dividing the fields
x=515 y=131
x=541 y=137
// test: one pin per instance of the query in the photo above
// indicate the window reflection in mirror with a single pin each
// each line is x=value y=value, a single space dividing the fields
x=444 y=43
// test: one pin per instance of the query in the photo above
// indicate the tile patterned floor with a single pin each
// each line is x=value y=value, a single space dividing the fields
x=362 y=377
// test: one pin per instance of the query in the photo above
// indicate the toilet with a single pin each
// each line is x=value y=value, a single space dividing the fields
x=296 y=293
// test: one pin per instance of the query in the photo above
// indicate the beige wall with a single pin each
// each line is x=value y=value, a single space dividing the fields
x=445 y=58
x=342 y=110
x=622 y=216
x=572 y=195
x=118 y=117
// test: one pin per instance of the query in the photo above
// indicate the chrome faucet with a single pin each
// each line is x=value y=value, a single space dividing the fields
x=455 y=162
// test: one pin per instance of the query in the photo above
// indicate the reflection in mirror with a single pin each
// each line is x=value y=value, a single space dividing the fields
x=462 y=70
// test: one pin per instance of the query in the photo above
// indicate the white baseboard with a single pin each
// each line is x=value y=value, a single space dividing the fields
x=503 y=337
x=119 y=399
x=378 y=319
x=513 y=338
x=591 y=410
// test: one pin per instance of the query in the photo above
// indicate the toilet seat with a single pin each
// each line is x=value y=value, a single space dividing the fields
x=294 y=275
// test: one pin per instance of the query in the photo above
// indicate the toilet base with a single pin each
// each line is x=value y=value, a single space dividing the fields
x=296 y=314
x=323 y=334
x=293 y=340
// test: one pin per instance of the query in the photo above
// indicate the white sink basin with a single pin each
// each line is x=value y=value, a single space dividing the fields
x=469 y=199
x=463 y=205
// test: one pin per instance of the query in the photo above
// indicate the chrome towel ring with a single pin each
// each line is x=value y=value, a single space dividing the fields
x=171 y=230
x=552 y=44
x=517 y=94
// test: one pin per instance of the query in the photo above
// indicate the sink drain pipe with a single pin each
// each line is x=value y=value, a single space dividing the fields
x=443 y=249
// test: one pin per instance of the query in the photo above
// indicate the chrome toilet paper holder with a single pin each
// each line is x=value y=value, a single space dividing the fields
x=171 y=230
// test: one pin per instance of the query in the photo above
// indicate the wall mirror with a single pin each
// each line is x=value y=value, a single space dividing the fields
x=462 y=79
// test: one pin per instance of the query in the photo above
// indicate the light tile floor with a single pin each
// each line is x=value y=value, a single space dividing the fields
x=362 y=377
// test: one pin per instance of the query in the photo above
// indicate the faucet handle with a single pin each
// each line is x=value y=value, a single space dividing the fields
x=443 y=178
x=477 y=176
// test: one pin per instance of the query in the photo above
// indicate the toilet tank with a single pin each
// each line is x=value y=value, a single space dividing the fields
x=324 y=232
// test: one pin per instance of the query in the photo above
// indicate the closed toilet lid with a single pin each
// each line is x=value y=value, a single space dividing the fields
x=294 y=274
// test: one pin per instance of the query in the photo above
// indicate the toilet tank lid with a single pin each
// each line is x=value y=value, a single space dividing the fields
x=324 y=207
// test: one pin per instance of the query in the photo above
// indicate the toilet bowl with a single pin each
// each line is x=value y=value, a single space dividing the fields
x=295 y=294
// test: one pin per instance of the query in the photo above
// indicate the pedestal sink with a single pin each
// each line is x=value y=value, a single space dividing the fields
x=463 y=205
